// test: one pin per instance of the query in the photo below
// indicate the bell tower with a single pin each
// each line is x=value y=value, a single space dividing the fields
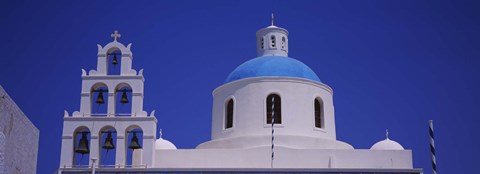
x=272 y=41
x=111 y=126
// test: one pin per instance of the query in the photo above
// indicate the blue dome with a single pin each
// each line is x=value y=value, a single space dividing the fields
x=272 y=66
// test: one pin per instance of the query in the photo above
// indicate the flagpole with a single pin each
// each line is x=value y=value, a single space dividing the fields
x=273 y=131
x=432 y=147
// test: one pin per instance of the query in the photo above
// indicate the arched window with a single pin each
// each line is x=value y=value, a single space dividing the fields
x=272 y=41
x=283 y=42
x=274 y=106
x=229 y=114
x=318 y=114
x=262 y=42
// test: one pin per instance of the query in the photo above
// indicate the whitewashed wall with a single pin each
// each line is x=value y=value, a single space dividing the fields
x=19 y=146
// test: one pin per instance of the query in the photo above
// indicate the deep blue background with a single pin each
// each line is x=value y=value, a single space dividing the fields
x=392 y=64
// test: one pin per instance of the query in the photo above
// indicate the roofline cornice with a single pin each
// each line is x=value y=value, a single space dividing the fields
x=274 y=79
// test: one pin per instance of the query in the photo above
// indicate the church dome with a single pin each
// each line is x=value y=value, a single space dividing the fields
x=387 y=144
x=272 y=66
x=164 y=144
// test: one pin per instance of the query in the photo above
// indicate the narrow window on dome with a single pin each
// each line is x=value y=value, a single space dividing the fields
x=318 y=114
x=272 y=40
x=262 y=42
x=274 y=106
x=283 y=42
x=229 y=114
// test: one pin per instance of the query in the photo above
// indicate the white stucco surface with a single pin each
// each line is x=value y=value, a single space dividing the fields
x=161 y=143
x=18 y=139
x=250 y=128
x=284 y=158
x=387 y=144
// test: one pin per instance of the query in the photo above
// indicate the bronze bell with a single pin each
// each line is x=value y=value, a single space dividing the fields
x=114 y=61
x=124 y=99
x=100 y=99
x=134 y=142
x=108 y=142
x=82 y=147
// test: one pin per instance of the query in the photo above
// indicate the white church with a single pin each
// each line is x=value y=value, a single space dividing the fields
x=272 y=114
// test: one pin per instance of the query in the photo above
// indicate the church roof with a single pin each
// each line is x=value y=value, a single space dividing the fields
x=272 y=66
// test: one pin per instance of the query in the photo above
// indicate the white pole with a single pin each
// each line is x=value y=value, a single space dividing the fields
x=93 y=164
x=432 y=147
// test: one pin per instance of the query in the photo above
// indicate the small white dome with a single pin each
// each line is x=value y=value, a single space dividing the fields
x=164 y=144
x=387 y=144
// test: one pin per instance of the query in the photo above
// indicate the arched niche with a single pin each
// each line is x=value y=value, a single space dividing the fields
x=81 y=146
x=123 y=99
x=114 y=61
x=318 y=111
x=229 y=112
x=133 y=156
x=99 y=99
x=262 y=43
x=107 y=146
x=105 y=58
x=273 y=41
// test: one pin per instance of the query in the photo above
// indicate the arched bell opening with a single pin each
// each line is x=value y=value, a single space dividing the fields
x=114 y=59
x=107 y=146
x=81 y=149
x=123 y=100
x=99 y=99
x=134 y=144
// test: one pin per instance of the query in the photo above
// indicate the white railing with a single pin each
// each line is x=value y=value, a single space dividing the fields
x=109 y=114
x=107 y=166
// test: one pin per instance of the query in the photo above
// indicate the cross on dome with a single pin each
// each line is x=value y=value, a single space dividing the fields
x=386 y=133
x=160 y=133
x=115 y=35
x=272 y=19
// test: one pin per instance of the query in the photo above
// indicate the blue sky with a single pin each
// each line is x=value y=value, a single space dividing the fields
x=391 y=64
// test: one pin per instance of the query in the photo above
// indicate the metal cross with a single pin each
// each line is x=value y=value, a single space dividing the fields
x=115 y=35
x=386 y=133
x=272 y=19
x=161 y=133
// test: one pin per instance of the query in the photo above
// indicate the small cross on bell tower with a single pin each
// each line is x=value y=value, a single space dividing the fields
x=115 y=35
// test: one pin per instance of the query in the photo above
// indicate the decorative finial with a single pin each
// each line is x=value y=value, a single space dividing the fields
x=115 y=35
x=272 y=19
x=386 y=133
x=161 y=133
